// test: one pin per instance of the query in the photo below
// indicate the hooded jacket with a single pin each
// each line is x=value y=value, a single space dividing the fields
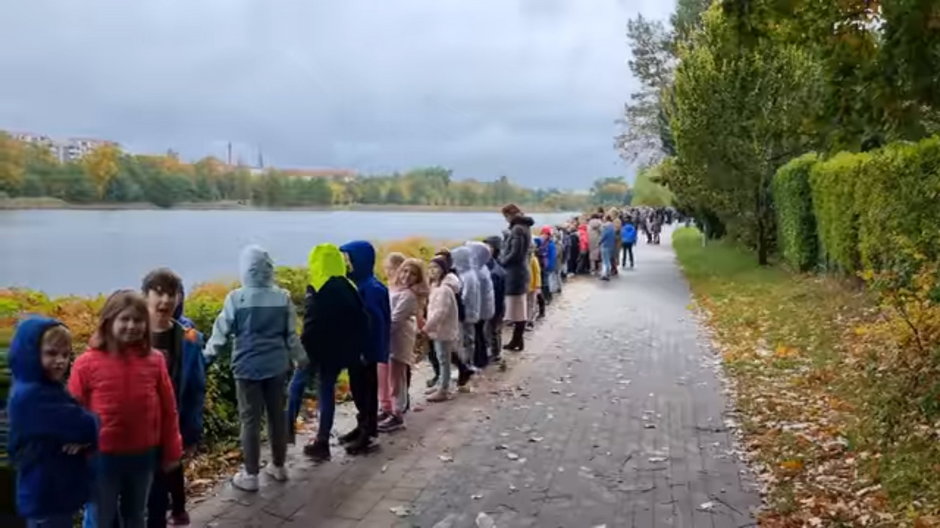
x=262 y=319
x=515 y=254
x=336 y=325
x=498 y=275
x=608 y=238
x=470 y=282
x=443 y=319
x=479 y=255
x=190 y=385
x=628 y=233
x=374 y=296
x=43 y=419
x=594 y=238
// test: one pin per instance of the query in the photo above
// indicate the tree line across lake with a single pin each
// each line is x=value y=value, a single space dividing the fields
x=109 y=175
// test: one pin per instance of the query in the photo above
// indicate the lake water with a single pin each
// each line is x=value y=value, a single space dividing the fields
x=90 y=252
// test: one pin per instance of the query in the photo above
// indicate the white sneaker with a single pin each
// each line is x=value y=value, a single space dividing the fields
x=245 y=482
x=278 y=473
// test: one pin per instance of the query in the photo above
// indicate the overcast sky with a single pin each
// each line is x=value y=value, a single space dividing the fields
x=526 y=88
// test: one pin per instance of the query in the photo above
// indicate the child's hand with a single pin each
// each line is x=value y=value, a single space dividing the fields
x=170 y=466
x=74 y=449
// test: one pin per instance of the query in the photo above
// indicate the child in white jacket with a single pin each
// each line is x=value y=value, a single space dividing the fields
x=470 y=295
x=479 y=256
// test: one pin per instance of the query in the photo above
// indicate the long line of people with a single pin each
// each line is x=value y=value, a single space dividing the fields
x=109 y=437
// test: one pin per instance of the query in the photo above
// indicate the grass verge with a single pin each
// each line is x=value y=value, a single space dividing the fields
x=799 y=351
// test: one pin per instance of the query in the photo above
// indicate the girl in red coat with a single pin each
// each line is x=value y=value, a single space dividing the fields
x=122 y=380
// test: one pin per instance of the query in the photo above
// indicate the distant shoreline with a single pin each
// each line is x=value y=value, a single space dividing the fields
x=49 y=204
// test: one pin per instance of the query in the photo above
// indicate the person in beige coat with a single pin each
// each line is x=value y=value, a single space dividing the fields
x=407 y=297
x=442 y=326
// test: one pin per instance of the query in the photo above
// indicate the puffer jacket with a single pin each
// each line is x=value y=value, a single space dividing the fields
x=133 y=397
x=262 y=319
x=535 y=272
x=470 y=291
x=442 y=323
x=479 y=256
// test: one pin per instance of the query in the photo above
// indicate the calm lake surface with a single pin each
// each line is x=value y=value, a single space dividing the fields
x=90 y=252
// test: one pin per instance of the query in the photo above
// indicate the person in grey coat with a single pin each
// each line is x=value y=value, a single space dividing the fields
x=514 y=260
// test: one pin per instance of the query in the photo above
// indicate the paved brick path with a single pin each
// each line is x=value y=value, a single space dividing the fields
x=612 y=416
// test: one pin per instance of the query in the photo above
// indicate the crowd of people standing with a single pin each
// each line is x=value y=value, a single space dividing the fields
x=108 y=438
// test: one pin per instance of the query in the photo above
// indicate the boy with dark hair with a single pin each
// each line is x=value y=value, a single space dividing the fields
x=181 y=345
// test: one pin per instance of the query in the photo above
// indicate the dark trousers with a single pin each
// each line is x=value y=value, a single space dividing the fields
x=494 y=336
x=480 y=356
x=364 y=382
x=168 y=490
x=627 y=251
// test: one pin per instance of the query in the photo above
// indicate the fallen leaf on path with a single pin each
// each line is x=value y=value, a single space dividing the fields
x=400 y=511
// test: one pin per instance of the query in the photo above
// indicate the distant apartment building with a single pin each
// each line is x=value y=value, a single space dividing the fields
x=65 y=150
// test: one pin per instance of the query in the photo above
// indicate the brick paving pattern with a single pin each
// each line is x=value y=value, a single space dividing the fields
x=613 y=416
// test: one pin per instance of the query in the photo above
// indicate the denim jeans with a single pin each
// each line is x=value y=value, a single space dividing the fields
x=606 y=259
x=327 y=401
x=298 y=385
x=442 y=349
x=51 y=521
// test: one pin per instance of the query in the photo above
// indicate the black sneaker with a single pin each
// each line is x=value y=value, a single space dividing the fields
x=350 y=436
x=319 y=451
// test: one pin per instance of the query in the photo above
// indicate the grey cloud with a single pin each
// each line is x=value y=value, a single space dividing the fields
x=526 y=88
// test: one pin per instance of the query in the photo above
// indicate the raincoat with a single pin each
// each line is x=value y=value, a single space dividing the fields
x=470 y=291
x=375 y=299
x=479 y=255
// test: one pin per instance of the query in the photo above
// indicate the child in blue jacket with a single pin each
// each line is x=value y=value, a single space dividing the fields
x=51 y=435
x=363 y=376
x=181 y=346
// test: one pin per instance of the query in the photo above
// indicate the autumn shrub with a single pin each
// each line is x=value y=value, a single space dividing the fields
x=796 y=222
x=834 y=183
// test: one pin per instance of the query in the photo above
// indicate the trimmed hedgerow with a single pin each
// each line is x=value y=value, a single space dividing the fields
x=834 y=183
x=793 y=200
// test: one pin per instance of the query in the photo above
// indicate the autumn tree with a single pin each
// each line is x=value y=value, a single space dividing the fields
x=12 y=164
x=739 y=113
x=101 y=165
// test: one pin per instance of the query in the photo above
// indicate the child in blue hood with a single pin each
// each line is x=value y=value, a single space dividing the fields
x=51 y=435
x=363 y=377
x=471 y=297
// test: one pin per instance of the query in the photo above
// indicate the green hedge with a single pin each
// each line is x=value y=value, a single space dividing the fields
x=834 y=184
x=877 y=211
x=899 y=208
x=796 y=222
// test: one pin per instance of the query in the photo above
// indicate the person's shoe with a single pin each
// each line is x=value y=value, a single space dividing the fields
x=350 y=436
x=439 y=395
x=392 y=423
x=466 y=389
x=319 y=450
x=361 y=445
x=431 y=390
x=178 y=519
x=245 y=482
x=278 y=473
x=431 y=382
x=383 y=415
x=464 y=377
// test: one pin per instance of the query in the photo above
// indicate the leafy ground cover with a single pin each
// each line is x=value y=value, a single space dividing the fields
x=834 y=400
